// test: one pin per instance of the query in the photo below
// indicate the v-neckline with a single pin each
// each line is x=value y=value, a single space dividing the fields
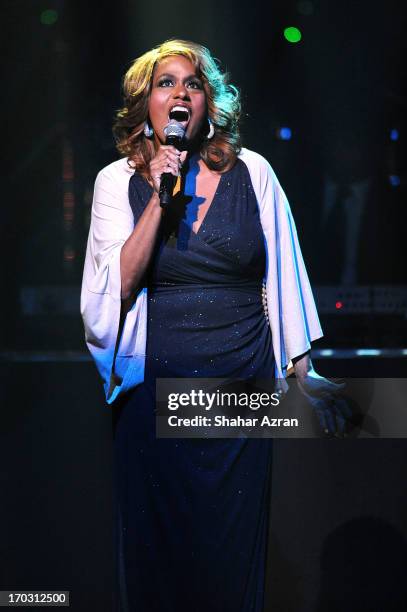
x=214 y=197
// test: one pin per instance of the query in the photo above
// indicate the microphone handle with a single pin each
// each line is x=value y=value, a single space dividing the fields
x=167 y=179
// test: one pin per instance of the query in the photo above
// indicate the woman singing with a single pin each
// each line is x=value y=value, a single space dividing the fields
x=179 y=292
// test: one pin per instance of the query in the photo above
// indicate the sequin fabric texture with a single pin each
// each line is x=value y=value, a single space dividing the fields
x=193 y=514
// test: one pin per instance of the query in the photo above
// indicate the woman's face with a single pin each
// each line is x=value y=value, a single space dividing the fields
x=177 y=92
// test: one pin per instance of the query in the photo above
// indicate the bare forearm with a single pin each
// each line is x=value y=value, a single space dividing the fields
x=138 y=248
x=302 y=364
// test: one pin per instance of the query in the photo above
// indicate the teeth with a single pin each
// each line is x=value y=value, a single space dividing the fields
x=180 y=109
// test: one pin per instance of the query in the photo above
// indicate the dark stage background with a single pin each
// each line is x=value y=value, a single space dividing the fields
x=329 y=113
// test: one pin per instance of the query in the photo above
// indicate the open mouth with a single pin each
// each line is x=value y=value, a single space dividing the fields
x=180 y=114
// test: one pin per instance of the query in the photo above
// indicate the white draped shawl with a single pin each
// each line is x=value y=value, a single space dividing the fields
x=120 y=360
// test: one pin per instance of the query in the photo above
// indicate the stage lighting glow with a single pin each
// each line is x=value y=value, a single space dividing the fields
x=69 y=254
x=394 y=134
x=394 y=180
x=326 y=353
x=338 y=305
x=368 y=352
x=284 y=133
x=292 y=34
x=49 y=17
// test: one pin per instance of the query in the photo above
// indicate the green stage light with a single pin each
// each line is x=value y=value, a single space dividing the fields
x=293 y=35
x=49 y=17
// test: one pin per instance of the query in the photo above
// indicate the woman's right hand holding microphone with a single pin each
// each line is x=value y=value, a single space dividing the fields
x=167 y=159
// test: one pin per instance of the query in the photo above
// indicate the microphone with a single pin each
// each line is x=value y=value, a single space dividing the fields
x=174 y=133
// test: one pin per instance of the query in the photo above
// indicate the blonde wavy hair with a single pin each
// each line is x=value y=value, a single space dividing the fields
x=223 y=104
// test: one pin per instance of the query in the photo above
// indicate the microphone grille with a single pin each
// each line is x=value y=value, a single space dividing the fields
x=174 y=129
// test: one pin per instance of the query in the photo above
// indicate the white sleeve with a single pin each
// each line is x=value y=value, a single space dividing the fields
x=292 y=312
x=300 y=321
x=111 y=224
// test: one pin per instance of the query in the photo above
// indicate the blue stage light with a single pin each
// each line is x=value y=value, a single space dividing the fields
x=394 y=180
x=394 y=134
x=285 y=133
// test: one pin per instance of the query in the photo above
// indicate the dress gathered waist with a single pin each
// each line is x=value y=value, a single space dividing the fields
x=245 y=286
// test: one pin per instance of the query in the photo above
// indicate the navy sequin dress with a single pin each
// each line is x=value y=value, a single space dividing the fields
x=192 y=514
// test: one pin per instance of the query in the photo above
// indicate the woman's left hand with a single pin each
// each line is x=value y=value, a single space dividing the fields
x=324 y=396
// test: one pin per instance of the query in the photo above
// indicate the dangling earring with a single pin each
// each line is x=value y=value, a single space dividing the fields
x=148 y=130
x=211 y=131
